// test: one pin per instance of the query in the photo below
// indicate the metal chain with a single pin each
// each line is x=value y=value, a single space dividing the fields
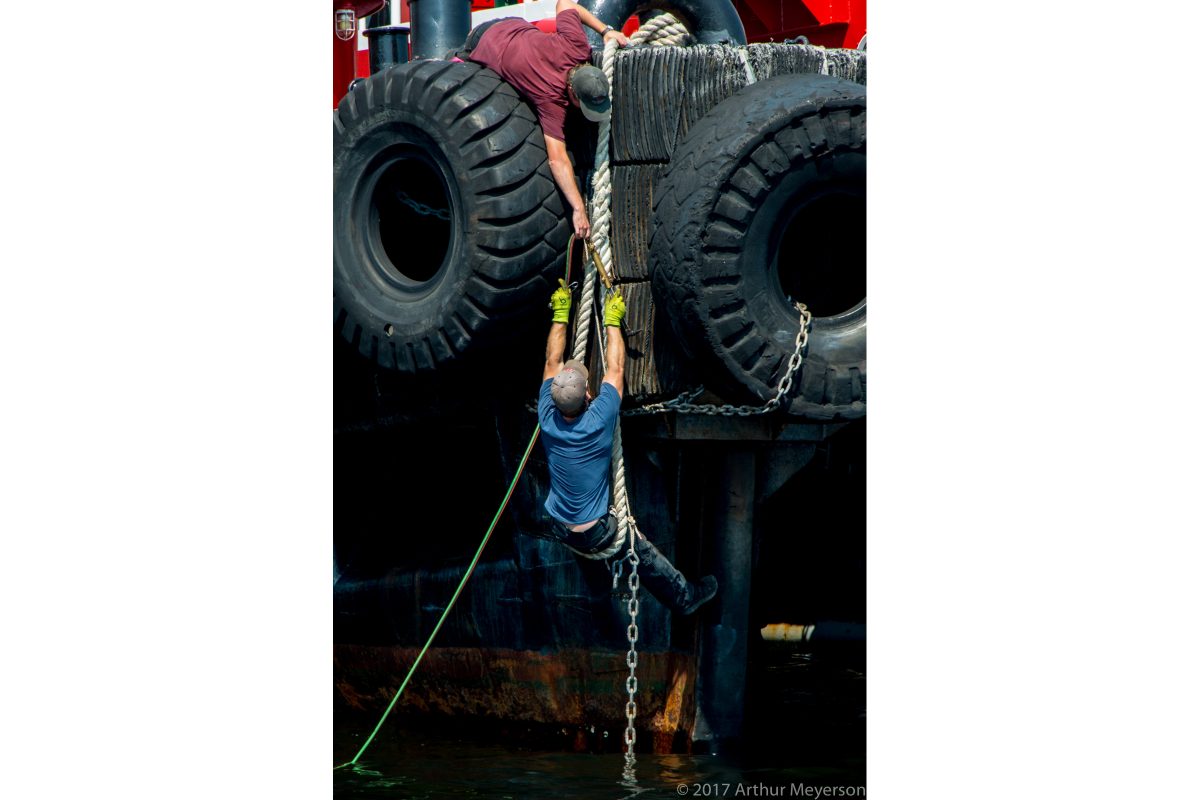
x=684 y=401
x=421 y=208
x=631 y=657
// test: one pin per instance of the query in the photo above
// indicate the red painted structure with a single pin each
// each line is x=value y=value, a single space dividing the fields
x=346 y=65
x=829 y=23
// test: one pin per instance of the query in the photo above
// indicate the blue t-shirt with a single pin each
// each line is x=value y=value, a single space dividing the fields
x=579 y=453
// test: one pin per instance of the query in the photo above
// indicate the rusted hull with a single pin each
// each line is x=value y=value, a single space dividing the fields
x=579 y=690
x=537 y=636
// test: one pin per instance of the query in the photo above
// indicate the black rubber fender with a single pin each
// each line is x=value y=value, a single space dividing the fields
x=764 y=203
x=710 y=21
x=448 y=224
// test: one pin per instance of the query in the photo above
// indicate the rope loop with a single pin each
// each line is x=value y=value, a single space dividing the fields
x=663 y=29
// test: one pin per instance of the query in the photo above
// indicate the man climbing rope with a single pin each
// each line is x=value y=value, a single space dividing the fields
x=550 y=70
x=577 y=433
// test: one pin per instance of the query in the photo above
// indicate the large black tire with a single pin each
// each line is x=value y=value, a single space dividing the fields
x=447 y=222
x=765 y=201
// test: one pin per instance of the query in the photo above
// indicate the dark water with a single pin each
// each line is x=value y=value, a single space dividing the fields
x=407 y=764
x=805 y=736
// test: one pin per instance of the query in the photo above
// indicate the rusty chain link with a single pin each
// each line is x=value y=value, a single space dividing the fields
x=684 y=401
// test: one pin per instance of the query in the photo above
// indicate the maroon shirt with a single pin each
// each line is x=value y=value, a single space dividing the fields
x=536 y=63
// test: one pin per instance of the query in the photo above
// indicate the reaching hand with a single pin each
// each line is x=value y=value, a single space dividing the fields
x=583 y=228
x=560 y=303
x=614 y=309
x=622 y=39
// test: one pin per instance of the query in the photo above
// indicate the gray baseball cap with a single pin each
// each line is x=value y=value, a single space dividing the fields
x=569 y=389
x=591 y=87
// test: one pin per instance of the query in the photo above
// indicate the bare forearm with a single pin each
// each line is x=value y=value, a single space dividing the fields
x=614 y=358
x=589 y=19
x=585 y=16
x=556 y=344
x=564 y=176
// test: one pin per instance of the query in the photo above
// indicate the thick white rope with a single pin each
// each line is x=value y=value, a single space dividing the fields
x=663 y=29
x=602 y=217
x=602 y=214
x=583 y=320
x=659 y=29
x=602 y=177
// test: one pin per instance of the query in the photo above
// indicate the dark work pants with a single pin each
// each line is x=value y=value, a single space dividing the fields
x=655 y=571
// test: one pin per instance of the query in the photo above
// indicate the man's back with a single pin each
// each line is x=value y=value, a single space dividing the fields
x=536 y=63
x=579 y=453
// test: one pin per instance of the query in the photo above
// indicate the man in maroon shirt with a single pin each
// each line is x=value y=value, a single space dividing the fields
x=551 y=70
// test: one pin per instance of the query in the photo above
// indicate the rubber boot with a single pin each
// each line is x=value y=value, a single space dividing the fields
x=667 y=584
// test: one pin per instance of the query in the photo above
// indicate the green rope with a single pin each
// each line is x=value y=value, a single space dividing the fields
x=457 y=592
x=470 y=569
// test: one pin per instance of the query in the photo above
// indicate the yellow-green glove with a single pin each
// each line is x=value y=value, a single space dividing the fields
x=614 y=310
x=560 y=303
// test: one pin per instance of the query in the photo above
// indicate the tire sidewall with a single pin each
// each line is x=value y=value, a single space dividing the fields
x=809 y=180
x=379 y=139
x=692 y=262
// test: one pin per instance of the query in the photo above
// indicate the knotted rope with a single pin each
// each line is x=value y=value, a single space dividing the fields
x=663 y=29
x=601 y=213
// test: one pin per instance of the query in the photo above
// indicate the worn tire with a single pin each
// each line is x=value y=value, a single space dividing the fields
x=765 y=200
x=447 y=223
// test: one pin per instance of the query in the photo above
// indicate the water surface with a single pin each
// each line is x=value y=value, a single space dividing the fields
x=403 y=764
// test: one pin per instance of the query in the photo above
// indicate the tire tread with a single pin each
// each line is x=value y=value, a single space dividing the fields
x=516 y=231
x=720 y=173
